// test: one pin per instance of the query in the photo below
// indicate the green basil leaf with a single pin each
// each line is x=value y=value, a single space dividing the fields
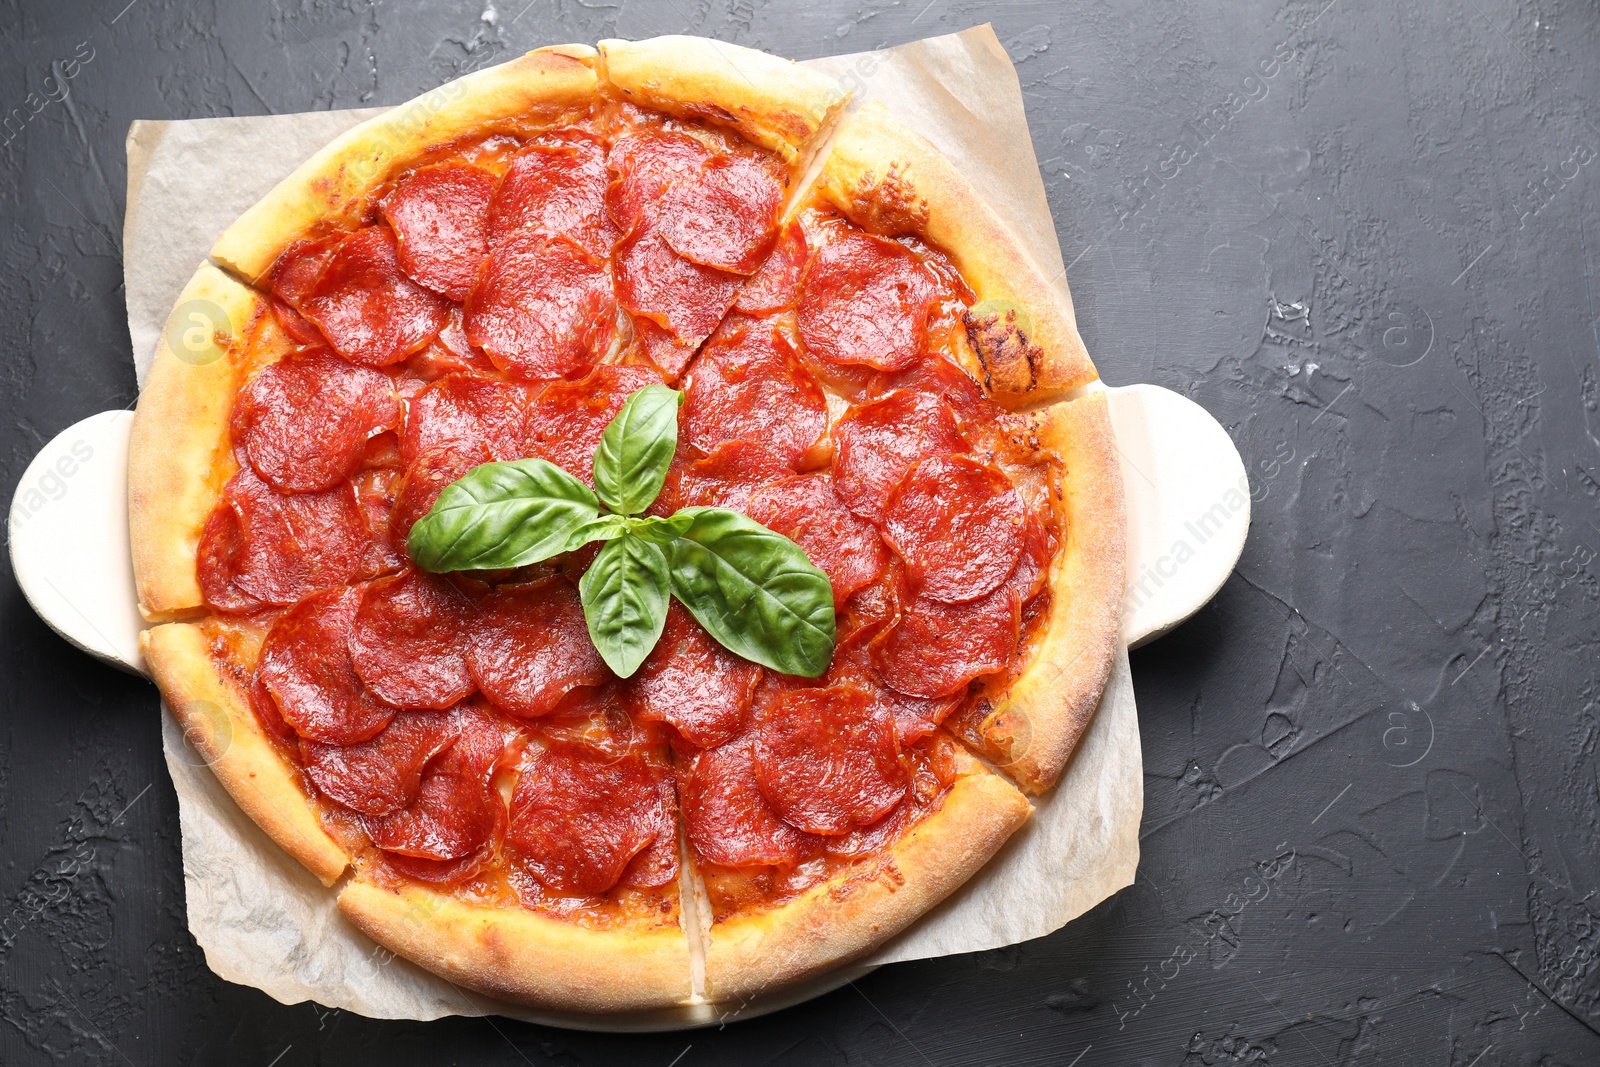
x=602 y=529
x=502 y=515
x=625 y=595
x=661 y=531
x=754 y=591
x=630 y=465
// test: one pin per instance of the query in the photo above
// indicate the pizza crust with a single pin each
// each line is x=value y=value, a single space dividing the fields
x=1031 y=733
x=887 y=178
x=862 y=907
x=772 y=102
x=546 y=87
x=180 y=435
x=522 y=956
x=217 y=719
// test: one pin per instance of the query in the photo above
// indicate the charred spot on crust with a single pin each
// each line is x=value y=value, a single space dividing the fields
x=887 y=205
x=1010 y=360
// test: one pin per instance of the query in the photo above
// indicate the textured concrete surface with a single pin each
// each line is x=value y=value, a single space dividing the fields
x=1357 y=232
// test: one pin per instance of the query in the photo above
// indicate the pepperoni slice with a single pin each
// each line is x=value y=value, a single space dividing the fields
x=657 y=863
x=729 y=475
x=933 y=649
x=440 y=216
x=543 y=307
x=745 y=387
x=806 y=510
x=645 y=164
x=370 y=311
x=725 y=215
x=558 y=185
x=383 y=773
x=914 y=717
x=422 y=483
x=686 y=300
x=876 y=443
x=692 y=683
x=570 y=417
x=268 y=715
x=304 y=421
x=530 y=646
x=727 y=819
x=865 y=300
x=376 y=491
x=294 y=273
x=577 y=819
x=215 y=562
x=937 y=376
x=468 y=413
x=827 y=759
x=456 y=811
x=305 y=665
x=409 y=641
x=958 y=525
x=280 y=547
x=775 y=284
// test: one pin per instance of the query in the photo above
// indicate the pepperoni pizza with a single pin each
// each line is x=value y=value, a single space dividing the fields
x=871 y=367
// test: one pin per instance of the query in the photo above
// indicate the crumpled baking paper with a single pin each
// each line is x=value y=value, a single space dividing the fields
x=264 y=922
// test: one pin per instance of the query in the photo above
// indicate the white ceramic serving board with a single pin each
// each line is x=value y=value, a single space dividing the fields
x=1188 y=513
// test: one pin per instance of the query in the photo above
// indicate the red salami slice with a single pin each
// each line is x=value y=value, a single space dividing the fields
x=469 y=414
x=876 y=443
x=216 y=561
x=570 y=417
x=806 y=510
x=457 y=811
x=301 y=329
x=728 y=476
x=440 y=216
x=577 y=819
x=957 y=523
x=376 y=491
x=543 y=307
x=270 y=718
x=774 y=286
x=827 y=759
x=933 y=649
x=294 y=274
x=724 y=216
x=304 y=421
x=685 y=299
x=409 y=641
x=728 y=821
x=914 y=717
x=645 y=164
x=692 y=683
x=284 y=546
x=421 y=485
x=593 y=718
x=865 y=300
x=530 y=646
x=369 y=310
x=558 y=185
x=937 y=376
x=656 y=864
x=383 y=773
x=305 y=665
x=662 y=348
x=745 y=386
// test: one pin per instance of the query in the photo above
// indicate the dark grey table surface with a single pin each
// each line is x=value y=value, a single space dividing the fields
x=1357 y=235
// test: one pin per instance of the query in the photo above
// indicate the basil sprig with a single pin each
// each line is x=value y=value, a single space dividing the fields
x=753 y=589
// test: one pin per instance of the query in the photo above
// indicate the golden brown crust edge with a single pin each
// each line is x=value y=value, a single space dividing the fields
x=522 y=956
x=887 y=178
x=180 y=431
x=1034 y=729
x=849 y=915
x=217 y=719
x=334 y=184
x=771 y=101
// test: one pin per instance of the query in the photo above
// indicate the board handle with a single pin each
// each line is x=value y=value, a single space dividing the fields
x=1187 y=494
x=69 y=544
x=1188 y=506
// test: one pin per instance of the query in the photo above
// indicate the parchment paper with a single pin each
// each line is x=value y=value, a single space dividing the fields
x=261 y=919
